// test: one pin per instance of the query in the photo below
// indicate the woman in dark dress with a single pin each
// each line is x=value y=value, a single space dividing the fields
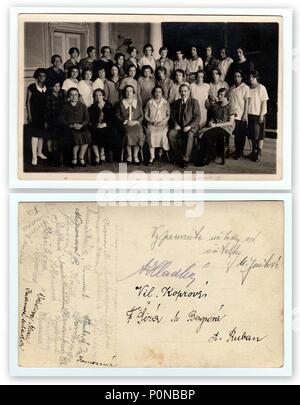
x=54 y=105
x=55 y=73
x=72 y=62
x=130 y=116
x=74 y=119
x=102 y=126
x=241 y=64
x=35 y=105
x=219 y=127
x=89 y=62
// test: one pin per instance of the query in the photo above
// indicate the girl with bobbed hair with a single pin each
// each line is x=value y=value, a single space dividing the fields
x=102 y=126
x=72 y=79
x=146 y=84
x=130 y=116
x=147 y=59
x=35 y=106
x=72 y=61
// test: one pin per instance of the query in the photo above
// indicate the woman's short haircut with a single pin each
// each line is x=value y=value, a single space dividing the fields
x=73 y=68
x=100 y=91
x=223 y=90
x=216 y=69
x=38 y=71
x=148 y=46
x=255 y=74
x=102 y=50
x=129 y=67
x=126 y=87
x=90 y=49
x=87 y=69
x=161 y=69
x=118 y=55
x=240 y=72
x=147 y=67
x=72 y=89
x=73 y=49
x=243 y=49
x=162 y=48
x=53 y=57
x=130 y=49
x=115 y=66
x=156 y=87
x=200 y=72
x=180 y=71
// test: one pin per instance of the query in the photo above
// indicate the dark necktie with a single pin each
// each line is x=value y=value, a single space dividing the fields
x=182 y=110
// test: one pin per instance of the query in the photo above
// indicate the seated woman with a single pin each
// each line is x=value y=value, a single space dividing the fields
x=85 y=87
x=54 y=105
x=157 y=115
x=101 y=126
x=74 y=119
x=221 y=125
x=35 y=105
x=130 y=116
x=146 y=83
x=72 y=80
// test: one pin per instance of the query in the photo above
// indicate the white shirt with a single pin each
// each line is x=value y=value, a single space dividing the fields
x=194 y=65
x=86 y=93
x=238 y=96
x=257 y=96
x=147 y=61
x=41 y=89
x=224 y=67
x=98 y=84
x=68 y=84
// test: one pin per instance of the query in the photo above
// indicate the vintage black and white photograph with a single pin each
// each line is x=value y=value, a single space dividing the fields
x=160 y=93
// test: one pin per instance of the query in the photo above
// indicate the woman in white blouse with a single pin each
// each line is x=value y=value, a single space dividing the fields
x=85 y=87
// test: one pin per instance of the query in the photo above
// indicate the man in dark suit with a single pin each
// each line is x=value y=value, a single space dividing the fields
x=184 y=124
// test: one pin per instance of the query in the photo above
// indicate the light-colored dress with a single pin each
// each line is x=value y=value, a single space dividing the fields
x=147 y=61
x=68 y=84
x=98 y=84
x=194 y=65
x=156 y=112
x=215 y=87
x=145 y=87
x=224 y=67
x=181 y=64
x=86 y=92
x=166 y=63
x=200 y=93
x=238 y=97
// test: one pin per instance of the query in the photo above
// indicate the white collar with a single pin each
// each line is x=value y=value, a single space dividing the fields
x=127 y=105
x=41 y=90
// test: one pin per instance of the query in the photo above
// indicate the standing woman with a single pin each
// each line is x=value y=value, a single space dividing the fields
x=101 y=125
x=120 y=62
x=146 y=84
x=72 y=62
x=225 y=63
x=200 y=91
x=72 y=80
x=147 y=59
x=132 y=60
x=180 y=62
x=157 y=115
x=257 y=114
x=194 y=65
x=210 y=63
x=54 y=105
x=85 y=87
x=74 y=119
x=130 y=116
x=239 y=97
x=129 y=80
x=113 y=86
x=89 y=62
x=35 y=105
x=55 y=73
x=165 y=62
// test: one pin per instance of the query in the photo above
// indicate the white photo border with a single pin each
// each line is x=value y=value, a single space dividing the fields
x=284 y=184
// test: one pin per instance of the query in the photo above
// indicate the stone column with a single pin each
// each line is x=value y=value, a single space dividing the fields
x=104 y=34
x=156 y=38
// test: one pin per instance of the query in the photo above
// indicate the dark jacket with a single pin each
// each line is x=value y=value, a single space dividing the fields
x=189 y=117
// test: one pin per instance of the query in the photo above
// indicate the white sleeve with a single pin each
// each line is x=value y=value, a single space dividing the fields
x=263 y=94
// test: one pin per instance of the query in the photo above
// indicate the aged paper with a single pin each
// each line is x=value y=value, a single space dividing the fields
x=148 y=286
